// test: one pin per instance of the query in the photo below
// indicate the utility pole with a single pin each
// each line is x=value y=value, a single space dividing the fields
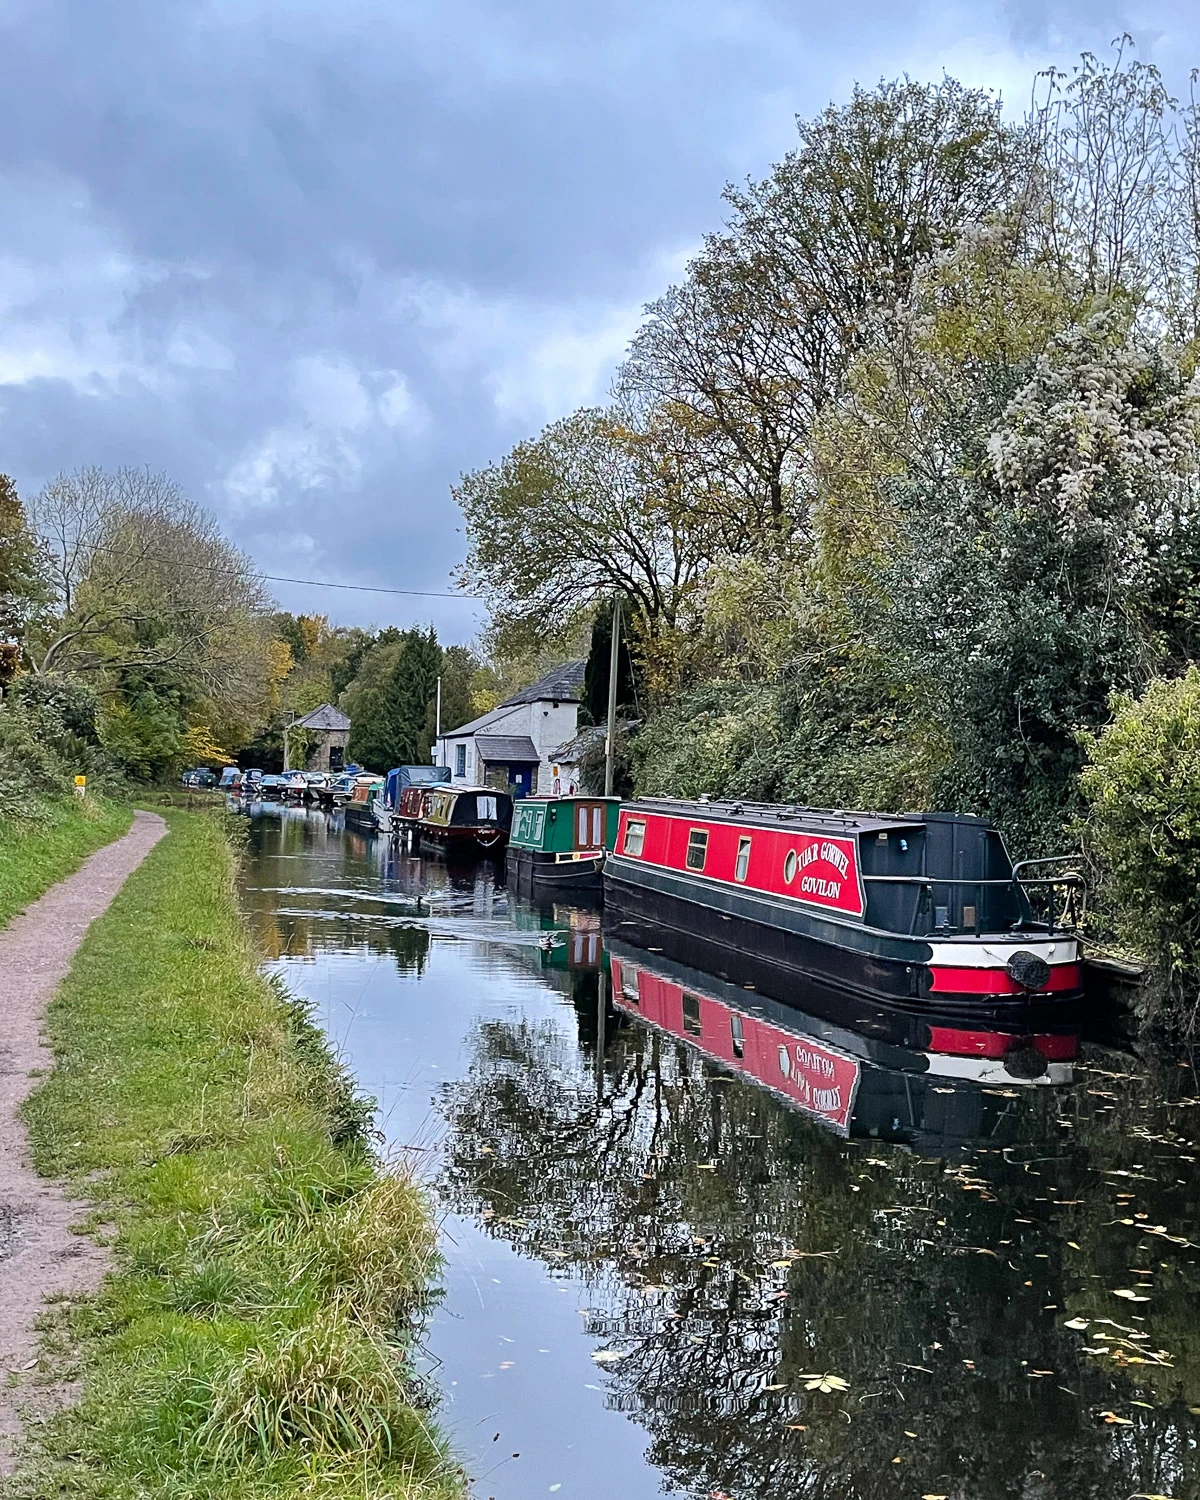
x=286 y=731
x=437 y=722
x=610 y=737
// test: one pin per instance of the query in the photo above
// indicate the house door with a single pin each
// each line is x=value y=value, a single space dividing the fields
x=589 y=825
x=522 y=780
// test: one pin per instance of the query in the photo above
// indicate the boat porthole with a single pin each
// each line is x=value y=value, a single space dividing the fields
x=789 y=866
x=785 y=1062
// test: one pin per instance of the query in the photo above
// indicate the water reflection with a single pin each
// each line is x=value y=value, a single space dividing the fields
x=729 y=1235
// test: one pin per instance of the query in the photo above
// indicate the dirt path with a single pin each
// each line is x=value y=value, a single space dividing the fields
x=38 y=1253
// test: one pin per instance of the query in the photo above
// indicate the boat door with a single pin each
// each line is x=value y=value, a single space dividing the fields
x=589 y=826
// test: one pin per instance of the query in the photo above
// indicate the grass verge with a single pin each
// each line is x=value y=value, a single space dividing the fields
x=37 y=854
x=251 y=1340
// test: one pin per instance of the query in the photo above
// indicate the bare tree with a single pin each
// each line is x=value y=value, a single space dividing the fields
x=143 y=575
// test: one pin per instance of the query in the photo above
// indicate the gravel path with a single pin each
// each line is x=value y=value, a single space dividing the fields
x=39 y=1255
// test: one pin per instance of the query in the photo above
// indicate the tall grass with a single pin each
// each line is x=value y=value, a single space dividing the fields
x=35 y=854
x=254 y=1337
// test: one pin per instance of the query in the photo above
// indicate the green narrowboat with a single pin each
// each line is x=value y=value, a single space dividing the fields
x=560 y=842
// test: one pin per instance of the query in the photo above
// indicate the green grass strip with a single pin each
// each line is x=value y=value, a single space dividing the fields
x=36 y=855
x=269 y=1272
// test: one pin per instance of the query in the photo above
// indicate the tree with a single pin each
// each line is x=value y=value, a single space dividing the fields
x=390 y=702
x=25 y=590
x=756 y=341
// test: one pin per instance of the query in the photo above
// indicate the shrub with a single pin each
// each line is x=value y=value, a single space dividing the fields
x=1142 y=788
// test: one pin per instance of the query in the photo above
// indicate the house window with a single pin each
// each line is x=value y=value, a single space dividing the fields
x=460 y=760
x=697 y=849
x=742 y=867
x=691 y=1015
x=635 y=837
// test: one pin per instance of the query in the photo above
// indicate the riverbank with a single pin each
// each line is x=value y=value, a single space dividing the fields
x=36 y=855
x=267 y=1272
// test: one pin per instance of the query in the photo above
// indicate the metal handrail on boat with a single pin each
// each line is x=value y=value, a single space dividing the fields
x=1072 y=880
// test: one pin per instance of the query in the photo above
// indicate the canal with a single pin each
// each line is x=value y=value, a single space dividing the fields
x=663 y=1277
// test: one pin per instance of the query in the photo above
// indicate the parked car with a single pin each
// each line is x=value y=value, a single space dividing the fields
x=231 y=779
x=200 y=777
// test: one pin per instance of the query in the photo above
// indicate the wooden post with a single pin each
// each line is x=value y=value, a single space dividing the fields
x=610 y=737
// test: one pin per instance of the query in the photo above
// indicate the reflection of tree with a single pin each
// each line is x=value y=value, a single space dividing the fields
x=676 y=1193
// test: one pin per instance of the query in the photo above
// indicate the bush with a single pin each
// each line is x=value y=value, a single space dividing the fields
x=47 y=738
x=1142 y=788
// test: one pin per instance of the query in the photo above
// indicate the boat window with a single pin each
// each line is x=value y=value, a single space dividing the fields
x=742 y=867
x=597 y=826
x=460 y=760
x=485 y=808
x=738 y=1036
x=691 y=1014
x=635 y=837
x=697 y=849
x=629 y=985
x=789 y=866
x=582 y=838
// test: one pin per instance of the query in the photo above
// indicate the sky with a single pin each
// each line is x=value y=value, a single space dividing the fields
x=317 y=260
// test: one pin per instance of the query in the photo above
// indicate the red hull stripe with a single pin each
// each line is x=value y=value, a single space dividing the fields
x=996 y=982
x=950 y=1039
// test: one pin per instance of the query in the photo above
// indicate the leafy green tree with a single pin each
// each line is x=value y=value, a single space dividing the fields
x=391 y=700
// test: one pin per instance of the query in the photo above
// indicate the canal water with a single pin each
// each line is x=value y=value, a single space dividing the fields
x=663 y=1277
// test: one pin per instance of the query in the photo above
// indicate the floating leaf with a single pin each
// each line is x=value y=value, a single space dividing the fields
x=825 y=1383
x=1112 y=1420
x=1129 y=1294
x=1078 y=1323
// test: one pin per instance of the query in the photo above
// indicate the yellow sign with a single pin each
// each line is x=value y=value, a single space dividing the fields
x=81 y=781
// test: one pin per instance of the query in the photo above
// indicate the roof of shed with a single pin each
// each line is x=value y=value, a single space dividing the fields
x=325 y=717
x=506 y=747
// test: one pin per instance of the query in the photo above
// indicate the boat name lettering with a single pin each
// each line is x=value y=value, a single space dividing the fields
x=832 y=855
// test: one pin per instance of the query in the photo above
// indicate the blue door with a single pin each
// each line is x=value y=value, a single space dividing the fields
x=522 y=780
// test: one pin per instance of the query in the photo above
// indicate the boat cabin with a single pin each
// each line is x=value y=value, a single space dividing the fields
x=559 y=841
x=466 y=819
x=400 y=778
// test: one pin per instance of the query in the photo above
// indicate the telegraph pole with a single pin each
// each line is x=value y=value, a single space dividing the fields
x=610 y=738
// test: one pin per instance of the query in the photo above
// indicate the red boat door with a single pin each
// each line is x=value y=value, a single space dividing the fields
x=589 y=826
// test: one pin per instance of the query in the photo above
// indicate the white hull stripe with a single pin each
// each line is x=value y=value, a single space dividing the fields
x=994 y=953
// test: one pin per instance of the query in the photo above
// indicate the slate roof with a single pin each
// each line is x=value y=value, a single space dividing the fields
x=325 y=717
x=507 y=747
x=562 y=685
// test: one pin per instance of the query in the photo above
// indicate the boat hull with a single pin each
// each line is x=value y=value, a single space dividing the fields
x=915 y=972
x=530 y=870
x=463 y=840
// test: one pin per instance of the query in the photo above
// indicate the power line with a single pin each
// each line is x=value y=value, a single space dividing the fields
x=364 y=588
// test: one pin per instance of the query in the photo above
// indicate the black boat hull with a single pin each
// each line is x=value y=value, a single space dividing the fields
x=857 y=960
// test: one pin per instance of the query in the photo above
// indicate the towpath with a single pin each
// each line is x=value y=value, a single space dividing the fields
x=39 y=1256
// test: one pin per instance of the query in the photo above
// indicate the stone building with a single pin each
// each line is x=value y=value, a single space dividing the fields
x=327 y=730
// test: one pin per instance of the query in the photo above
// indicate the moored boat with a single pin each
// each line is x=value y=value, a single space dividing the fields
x=923 y=908
x=360 y=804
x=399 y=780
x=560 y=842
x=466 y=820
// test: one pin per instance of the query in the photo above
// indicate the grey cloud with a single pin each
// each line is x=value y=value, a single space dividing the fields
x=316 y=260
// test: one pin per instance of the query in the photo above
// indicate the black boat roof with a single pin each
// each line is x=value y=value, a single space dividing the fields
x=833 y=820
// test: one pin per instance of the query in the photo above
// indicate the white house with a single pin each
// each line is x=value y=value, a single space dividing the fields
x=514 y=744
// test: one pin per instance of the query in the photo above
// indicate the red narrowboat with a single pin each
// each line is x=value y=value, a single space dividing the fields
x=925 y=909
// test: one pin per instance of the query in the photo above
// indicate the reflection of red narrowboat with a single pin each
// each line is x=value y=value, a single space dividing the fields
x=926 y=908
x=898 y=1077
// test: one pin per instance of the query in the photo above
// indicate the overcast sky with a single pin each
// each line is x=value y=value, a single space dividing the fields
x=315 y=260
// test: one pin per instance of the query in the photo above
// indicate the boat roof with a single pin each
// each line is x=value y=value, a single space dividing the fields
x=836 y=821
